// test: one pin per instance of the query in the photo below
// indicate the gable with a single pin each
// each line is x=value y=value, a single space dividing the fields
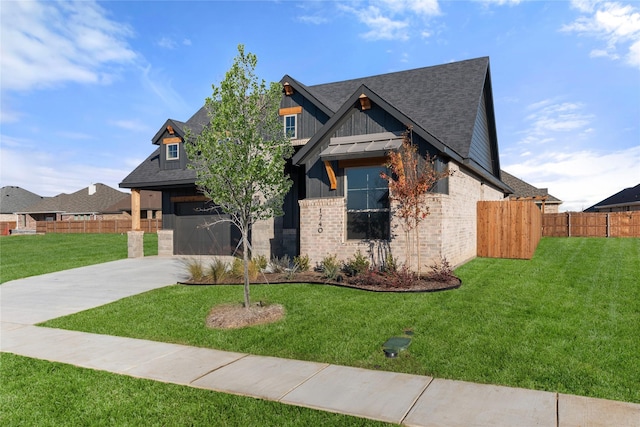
x=310 y=115
x=483 y=149
x=449 y=106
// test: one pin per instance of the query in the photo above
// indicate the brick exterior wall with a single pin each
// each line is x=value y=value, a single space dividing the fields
x=322 y=233
x=449 y=231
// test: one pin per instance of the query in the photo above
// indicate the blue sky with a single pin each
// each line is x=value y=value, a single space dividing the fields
x=85 y=86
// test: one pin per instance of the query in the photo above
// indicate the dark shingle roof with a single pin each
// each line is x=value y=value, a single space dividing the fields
x=628 y=196
x=80 y=202
x=442 y=99
x=149 y=175
x=524 y=189
x=15 y=199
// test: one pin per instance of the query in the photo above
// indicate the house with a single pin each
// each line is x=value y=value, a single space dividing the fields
x=150 y=207
x=15 y=199
x=625 y=200
x=341 y=133
x=85 y=204
x=524 y=191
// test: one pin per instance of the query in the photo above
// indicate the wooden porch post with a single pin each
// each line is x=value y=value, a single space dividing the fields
x=135 y=209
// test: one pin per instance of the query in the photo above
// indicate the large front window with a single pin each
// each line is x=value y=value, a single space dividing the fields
x=367 y=203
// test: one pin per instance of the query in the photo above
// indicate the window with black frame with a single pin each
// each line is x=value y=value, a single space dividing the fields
x=367 y=203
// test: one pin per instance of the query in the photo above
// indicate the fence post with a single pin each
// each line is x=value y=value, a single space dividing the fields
x=608 y=226
x=568 y=224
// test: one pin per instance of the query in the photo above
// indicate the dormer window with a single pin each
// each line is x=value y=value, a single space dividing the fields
x=290 y=128
x=173 y=152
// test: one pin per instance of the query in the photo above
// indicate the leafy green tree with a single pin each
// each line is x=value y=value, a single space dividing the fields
x=240 y=156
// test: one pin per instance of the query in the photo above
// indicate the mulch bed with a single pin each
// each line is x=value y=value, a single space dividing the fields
x=424 y=285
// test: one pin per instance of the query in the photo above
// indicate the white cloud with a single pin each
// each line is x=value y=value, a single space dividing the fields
x=312 y=19
x=581 y=178
x=549 y=119
x=167 y=43
x=551 y=152
x=9 y=116
x=393 y=19
x=420 y=7
x=617 y=24
x=44 y=173
x=502 y=2
x=47 y=43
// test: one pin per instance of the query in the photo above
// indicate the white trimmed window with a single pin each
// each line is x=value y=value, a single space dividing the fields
x=290 y=126
x=173 y=152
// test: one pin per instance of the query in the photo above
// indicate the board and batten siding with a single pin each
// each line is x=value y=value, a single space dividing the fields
x=310 y=120
x=480 y=149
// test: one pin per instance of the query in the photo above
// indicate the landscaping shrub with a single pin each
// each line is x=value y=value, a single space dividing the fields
x=218 y=270
x=389 y=263
x=195 y=269
x=261 y=261
x=330 y=267
x=280 y=265
x=301 y=262
x=254 y=270
x=400 y=278
x=442 y=271
x=356 y=266
x=237 y=269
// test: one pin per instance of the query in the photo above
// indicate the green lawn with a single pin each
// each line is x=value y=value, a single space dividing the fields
x=38 y=393
x=566 y=321
x=30 y=255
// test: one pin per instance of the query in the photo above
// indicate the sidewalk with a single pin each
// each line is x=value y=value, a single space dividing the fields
x=410 y=400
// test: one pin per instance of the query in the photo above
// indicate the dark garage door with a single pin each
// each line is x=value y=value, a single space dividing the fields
x=193 y=237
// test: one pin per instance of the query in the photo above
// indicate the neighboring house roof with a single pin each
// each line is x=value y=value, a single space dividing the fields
x=149 y=200
x=526 y=190
x=627 y=197
x=90 y=200
x=15 y=199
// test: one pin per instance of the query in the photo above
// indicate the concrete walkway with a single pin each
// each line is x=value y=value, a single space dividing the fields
x=410 y=400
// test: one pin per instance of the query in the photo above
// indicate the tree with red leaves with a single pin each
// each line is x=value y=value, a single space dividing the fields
x=412 y=177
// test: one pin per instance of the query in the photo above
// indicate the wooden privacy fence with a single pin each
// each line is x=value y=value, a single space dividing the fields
x=97 y=226
x=591 y=224
x=508 y=229
x=5 y=226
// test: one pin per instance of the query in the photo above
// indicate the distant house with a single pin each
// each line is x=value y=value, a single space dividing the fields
x=525 y=191
x=85 y=204
x=341 y=133
x=625 y=200
x=150 y=206
x=15 y=199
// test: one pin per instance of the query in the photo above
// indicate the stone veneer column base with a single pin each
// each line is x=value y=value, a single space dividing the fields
x=135 y=244
x=165 y=242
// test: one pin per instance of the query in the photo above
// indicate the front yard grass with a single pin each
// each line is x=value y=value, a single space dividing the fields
x=38 y=393
x=567 y=321
x=31 y=255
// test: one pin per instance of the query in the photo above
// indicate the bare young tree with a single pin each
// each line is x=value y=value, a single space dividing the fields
x=412 y=177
